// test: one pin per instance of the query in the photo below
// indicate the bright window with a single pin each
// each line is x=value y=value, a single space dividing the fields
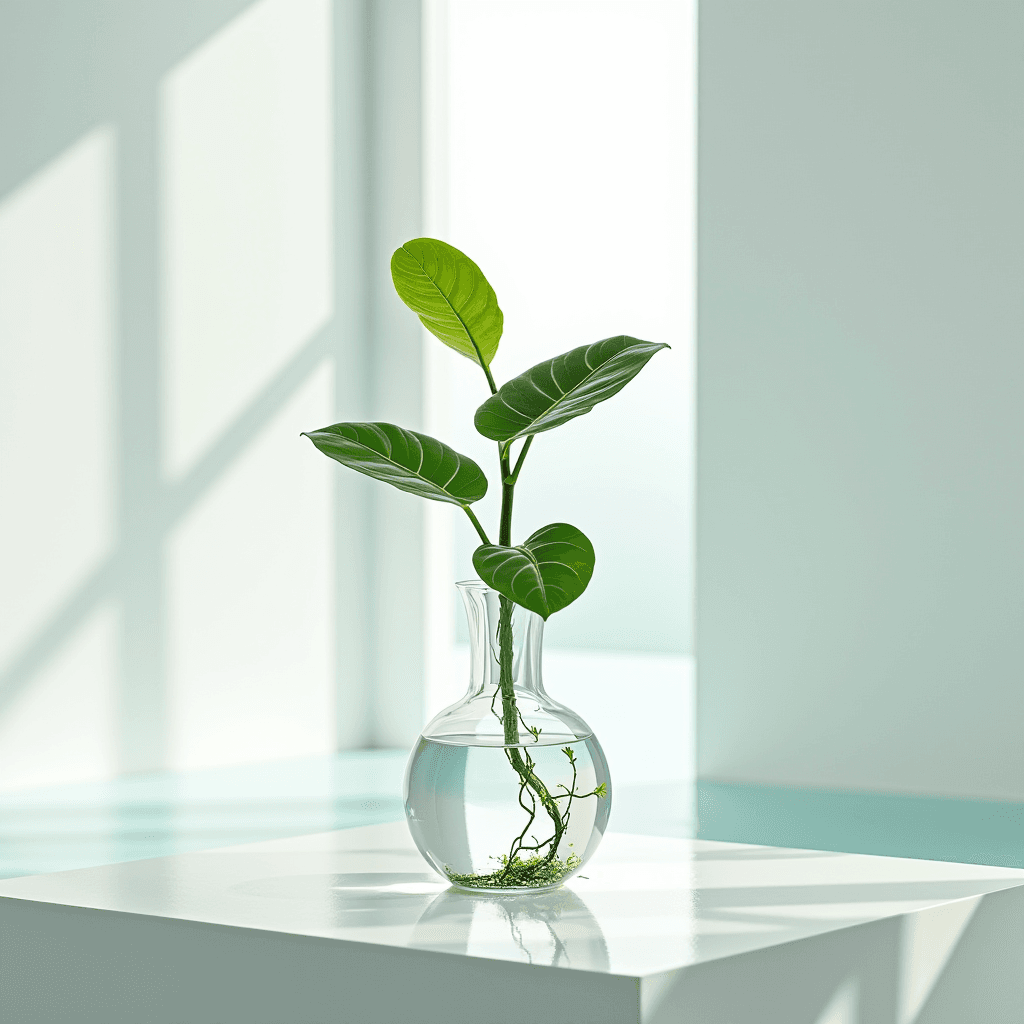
x=560 y=157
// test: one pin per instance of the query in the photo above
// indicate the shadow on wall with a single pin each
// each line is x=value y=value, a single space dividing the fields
x=166 y=330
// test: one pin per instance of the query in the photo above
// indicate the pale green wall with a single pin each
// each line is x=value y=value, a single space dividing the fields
x=860 y=478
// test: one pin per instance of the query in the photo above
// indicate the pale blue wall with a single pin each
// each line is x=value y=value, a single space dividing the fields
x=860 y=611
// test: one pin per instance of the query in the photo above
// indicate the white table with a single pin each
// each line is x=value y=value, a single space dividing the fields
x=353 y=926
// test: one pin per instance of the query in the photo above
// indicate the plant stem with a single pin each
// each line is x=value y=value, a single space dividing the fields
x=509 y=708
x=519 y=462
x=483 y=365
x=510 y=723
x=507 y=494
x=476 y=522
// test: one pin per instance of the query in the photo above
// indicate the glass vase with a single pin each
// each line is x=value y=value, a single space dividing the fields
x=506 y=791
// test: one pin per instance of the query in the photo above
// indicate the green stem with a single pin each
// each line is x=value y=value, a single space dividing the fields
x=507 y=494
x=483 y=365
x=510 y=723
x=509 y=708
x=476 y=522
x=519 y=462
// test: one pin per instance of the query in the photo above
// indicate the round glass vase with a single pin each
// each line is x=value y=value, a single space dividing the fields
x=507 y=791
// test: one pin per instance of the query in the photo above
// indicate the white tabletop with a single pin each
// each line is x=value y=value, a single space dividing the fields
x=647 y=905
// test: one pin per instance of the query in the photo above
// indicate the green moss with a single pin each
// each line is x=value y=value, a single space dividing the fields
x=526 y=874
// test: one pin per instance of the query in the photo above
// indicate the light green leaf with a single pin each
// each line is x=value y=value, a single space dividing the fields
x=548 y=571
x=450 y=295
x=562 y=388
x=405 y=459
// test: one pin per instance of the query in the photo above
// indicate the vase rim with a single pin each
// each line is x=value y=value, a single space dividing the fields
x=471 y=585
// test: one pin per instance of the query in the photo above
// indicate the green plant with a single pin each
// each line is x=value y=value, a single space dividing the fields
x=553 y=566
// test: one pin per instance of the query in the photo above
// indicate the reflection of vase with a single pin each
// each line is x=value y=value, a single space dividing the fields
x=354 y=899
x=554 y=929
x=473 y=797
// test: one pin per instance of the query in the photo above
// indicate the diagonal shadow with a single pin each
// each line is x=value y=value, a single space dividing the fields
x=93 y=590
x=76 y=69
x=180 y=496
x=175 y=501
x=67 y=66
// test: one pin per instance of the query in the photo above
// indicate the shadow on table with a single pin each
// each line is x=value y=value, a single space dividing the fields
x=950 y=964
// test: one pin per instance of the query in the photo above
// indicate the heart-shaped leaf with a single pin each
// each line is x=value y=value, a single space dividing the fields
x=548 y=571
x=450 y=295
x=562 y=388
x=410 y=461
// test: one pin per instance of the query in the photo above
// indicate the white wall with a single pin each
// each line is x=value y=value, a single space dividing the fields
x=197 y=205
x=860 y=617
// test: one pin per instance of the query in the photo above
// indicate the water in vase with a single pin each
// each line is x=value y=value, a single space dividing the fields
x=479 y=823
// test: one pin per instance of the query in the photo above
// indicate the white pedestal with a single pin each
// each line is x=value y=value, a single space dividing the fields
x=352 y=926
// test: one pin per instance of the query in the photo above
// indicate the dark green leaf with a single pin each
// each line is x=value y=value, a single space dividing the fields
x=410 y=461
x=562 y=388
x=545 y=573
x=450 y=295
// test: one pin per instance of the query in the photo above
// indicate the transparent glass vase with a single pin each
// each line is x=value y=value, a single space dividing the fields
x=506 y=791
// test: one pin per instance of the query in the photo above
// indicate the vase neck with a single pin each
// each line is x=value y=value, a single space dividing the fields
x=483 y=611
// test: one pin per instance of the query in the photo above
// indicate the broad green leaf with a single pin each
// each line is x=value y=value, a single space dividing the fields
x=548 y=571
x=410 y=461
x=450 y=295
x=562 y=388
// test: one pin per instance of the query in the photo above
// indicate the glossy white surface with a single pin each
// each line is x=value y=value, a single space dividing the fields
x=648 y=905
x=350 y=927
